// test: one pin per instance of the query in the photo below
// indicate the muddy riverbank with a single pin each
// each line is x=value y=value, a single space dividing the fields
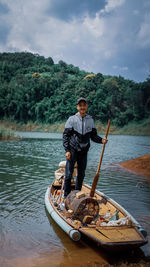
x=139 y=165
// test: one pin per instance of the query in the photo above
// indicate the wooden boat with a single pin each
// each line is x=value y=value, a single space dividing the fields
x=123 y=233
x=91 y=213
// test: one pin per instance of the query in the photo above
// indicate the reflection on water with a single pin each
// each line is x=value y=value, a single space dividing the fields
x=28 y=237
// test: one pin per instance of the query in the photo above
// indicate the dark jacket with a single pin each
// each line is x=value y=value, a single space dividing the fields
x=77 y=133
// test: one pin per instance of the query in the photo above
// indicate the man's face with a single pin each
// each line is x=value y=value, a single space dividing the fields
x=82 y=107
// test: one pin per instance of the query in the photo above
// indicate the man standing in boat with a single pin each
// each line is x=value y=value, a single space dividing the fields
x=79 y=129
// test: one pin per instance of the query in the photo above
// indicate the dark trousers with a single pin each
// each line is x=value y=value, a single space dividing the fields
x=81 y=162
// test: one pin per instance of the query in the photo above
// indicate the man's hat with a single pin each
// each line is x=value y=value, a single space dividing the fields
x=81 y=99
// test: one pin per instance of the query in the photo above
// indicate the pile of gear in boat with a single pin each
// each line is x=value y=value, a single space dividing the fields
x=79 y=208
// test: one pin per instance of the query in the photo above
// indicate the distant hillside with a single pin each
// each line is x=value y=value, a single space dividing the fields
x=33 y=88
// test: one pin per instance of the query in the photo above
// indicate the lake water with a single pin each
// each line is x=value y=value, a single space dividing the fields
x=28 y=236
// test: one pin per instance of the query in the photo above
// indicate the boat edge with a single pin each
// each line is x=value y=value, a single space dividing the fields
x=74 y=234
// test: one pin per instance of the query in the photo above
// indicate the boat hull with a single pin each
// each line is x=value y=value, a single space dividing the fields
x=71 y=231
x=111 y=238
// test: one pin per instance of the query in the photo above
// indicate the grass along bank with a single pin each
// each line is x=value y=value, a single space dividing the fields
x=134 y=128
x=6 y=133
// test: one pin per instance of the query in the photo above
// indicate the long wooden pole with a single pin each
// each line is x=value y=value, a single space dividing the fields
x=96 y=177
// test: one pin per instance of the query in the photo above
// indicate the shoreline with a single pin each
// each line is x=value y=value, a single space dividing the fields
x=140 y=165
x=2 y=138
x=139 y=129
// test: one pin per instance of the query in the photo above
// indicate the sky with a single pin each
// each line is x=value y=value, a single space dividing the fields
x=107 y=36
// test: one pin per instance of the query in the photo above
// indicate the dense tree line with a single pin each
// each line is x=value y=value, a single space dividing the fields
x=33 y=88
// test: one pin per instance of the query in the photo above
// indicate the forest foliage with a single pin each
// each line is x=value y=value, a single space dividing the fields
x=34 y=88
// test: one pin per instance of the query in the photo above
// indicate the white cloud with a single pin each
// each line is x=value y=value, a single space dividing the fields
x=93 y=43
x=115 y=67
x=112 y=4
x=136 y=12
x=95 y=26
x=24 y=19
x=33 y=30
x=143 y=37
x=123 y=68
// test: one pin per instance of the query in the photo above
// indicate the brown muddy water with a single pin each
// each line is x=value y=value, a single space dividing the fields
x=28 y=236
